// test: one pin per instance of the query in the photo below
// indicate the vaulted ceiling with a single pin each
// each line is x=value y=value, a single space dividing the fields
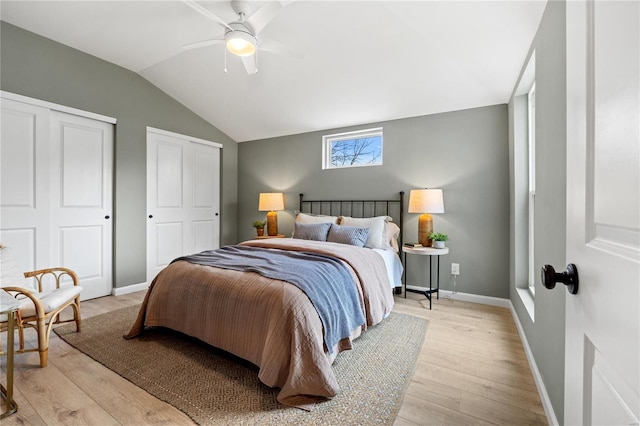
x=346 y=63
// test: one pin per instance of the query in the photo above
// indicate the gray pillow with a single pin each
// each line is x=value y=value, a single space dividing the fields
x=311 y=231
x=353 y=235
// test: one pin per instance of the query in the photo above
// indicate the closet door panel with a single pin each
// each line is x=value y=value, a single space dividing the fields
x=165 y=201
x=81 y=199
x=24 y=183
x=83 y=156
x=85 y=240
x=206 y=197
x=183 y=197
x=18 y=159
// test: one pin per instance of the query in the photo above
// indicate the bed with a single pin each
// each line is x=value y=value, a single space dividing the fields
x=243 y=300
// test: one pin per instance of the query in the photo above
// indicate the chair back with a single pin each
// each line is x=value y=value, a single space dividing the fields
x=10 y=274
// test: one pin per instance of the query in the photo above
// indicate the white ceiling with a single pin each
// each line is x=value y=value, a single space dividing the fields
x=364 y=61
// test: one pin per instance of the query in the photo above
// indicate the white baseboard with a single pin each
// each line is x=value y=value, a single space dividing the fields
x=119 y=291
x=468 y=297
x=537 y=377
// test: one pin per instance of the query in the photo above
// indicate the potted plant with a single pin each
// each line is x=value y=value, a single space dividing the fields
x=438 y=239
x=259 y=225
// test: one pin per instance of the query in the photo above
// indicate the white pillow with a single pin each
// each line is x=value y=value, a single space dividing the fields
x=313 y=218
x=393 y=232
x=377 y=229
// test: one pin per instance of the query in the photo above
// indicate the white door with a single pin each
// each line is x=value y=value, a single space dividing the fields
x=183 y=197
x=24 y=183
x=81 y=200
x=602 y=363
x=56 y=191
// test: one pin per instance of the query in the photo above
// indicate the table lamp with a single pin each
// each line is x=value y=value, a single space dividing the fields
x=425 y=201
x=271 y=202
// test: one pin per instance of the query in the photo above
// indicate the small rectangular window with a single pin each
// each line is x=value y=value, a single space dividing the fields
x=352 y=149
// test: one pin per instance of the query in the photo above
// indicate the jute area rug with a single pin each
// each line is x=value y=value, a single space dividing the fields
x=215 y=388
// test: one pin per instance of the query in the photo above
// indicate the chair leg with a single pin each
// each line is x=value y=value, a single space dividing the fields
x=76 y=314
x=44 y=357
x=21 y=335
x=43 y=341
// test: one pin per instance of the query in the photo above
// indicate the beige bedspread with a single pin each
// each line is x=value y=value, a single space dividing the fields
x=268 y=322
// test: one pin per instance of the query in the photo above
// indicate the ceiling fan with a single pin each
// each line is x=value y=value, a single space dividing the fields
x=241 y=36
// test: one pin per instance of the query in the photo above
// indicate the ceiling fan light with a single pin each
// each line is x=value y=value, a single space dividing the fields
x=240 y=43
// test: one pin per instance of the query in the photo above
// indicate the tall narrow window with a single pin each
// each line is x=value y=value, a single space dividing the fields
x=531 y=97
x=352 y=149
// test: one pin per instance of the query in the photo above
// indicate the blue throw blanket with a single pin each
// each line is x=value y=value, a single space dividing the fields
x=325 y=280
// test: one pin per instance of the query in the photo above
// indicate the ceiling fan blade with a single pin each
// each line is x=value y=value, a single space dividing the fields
x=205 y=12
x=203 y=43
x=261 y=17
x=249 y=63
x=268 y=45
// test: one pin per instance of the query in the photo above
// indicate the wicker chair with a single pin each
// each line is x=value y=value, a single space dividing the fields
x=41 y=306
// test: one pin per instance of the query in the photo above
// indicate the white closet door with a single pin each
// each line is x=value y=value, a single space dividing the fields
x=81 y=200
x=183 y=198
x=24 y=183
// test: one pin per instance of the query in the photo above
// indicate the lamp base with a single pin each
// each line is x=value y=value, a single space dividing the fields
x=272 y=224
x=425 y=228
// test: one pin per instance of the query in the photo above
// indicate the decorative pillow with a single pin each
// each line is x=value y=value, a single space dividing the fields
x=377 y=229
x=393 y=232
x=311 y=231
x=313 y=218
x=353 y=235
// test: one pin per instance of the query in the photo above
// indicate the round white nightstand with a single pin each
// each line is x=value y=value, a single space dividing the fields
x=427 y=251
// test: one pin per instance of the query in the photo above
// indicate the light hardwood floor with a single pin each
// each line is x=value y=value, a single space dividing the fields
x=472 y=370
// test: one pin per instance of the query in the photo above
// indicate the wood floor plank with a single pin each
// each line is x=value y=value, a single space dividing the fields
x=424 y=412
x=497 y=412
x=57 y=400
x=437 y=376
x=490 y=371
x=471 y=370
x=26 y=414
x=122 y=399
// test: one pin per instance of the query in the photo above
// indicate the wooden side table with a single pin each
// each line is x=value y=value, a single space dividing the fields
x=262 y=237
x=427 y=251
x=9 y=307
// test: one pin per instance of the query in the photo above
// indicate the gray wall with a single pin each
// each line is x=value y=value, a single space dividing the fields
x=41 y=68
x=546 y=334
x=465 y=153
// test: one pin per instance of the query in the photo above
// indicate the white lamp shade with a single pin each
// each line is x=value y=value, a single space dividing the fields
x=426 y=201
x=271 y=201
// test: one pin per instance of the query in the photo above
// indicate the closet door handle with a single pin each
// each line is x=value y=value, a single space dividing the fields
x=150 y=216
x=107 y=217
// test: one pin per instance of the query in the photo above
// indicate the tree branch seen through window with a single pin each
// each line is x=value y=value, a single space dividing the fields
x=363 y=149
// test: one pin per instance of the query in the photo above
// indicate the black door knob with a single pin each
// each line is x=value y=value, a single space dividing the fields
x=569 y=277
x=107 y=217
x=150 y=216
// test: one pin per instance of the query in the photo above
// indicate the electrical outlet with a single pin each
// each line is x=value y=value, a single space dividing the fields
x=455 y=269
